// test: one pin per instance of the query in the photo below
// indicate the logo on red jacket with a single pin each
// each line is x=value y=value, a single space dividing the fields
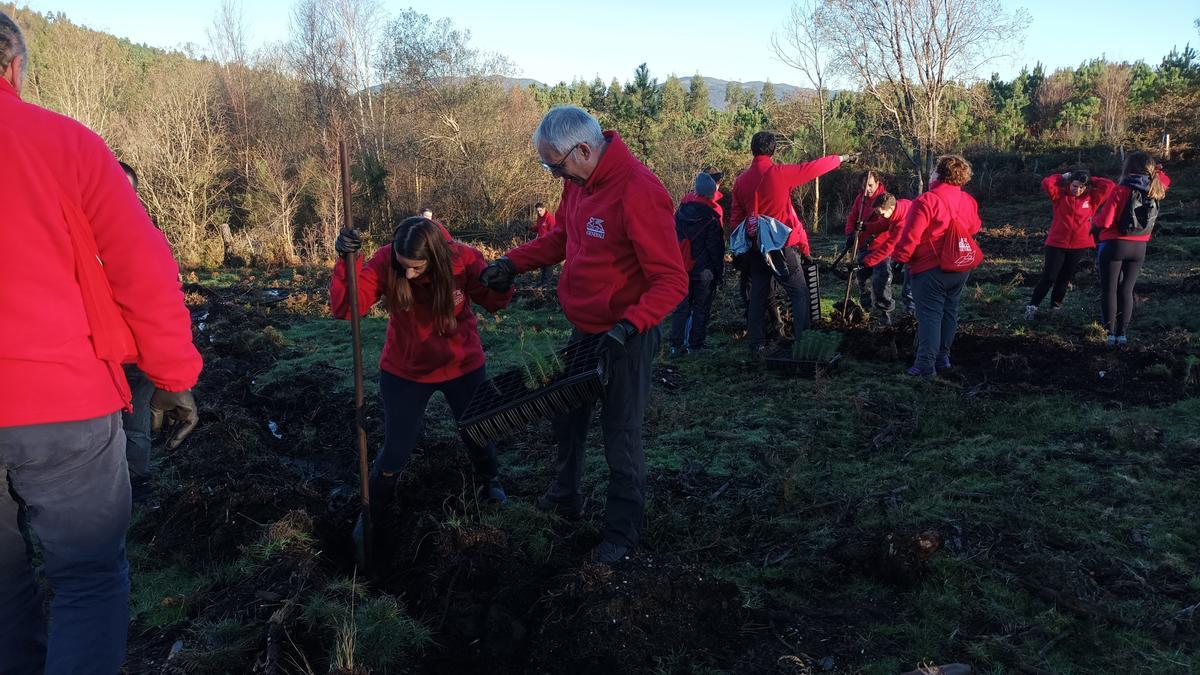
x=459 y=298
x=1085 y=205
x=595 y=228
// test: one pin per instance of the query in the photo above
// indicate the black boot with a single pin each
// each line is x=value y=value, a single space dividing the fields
x=382 y=489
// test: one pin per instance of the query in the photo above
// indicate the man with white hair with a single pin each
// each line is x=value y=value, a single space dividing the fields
x=623 y=275
x=63 y=474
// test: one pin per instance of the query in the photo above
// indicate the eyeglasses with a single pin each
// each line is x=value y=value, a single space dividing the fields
x=558 y=166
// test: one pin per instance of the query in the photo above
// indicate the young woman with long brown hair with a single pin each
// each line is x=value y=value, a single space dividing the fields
x=427 y=283
x=1124 y=224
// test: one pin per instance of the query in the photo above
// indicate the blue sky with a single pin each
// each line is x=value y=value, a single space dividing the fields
x=552 y=41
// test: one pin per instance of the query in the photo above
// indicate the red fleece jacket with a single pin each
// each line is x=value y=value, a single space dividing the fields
x=885 y=243
x=544 y=224
x=766 y=188
x=617 y=235
x=928 y=219
x=1072 y=224
x=413 y=348
x=48 y=369
x=867 y=213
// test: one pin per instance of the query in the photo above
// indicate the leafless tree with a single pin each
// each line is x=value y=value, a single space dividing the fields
x=803 y=44
x=1113 y=89
x=907 y=54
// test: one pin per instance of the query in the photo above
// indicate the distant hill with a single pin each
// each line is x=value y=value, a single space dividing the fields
x=716 y=88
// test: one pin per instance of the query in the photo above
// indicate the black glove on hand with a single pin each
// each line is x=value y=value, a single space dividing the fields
x=499 y=275
x=177 y=409
x=860 y=226
x=348 y=241
x=849 y=241
x=614 y=340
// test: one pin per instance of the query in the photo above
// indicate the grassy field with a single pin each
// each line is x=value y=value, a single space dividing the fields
x=789 y=522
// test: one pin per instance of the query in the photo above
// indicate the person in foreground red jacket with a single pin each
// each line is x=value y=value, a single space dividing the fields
x=623 y=275
x=63 y=473
x=765 y=188
x=432 y=344
x=1123 y=235
x=1076 y=197
x=936 y=292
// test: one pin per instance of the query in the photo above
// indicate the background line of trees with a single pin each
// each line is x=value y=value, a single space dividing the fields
x=236 y=147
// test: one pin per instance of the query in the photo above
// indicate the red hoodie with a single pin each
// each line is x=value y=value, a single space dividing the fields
x=867 y=213
x=885 y=243
x=1118 y=198
x=617 y=234
x=928 y=218
x=766 y=188
x=48 y=369
x=1072 y=224
x=413 y=349
x=544 y=224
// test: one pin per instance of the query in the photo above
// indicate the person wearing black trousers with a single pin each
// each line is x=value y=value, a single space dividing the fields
x=1123 y=225
x=428 y=283
x=1076 y=196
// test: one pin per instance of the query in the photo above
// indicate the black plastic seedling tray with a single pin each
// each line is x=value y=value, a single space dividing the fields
x=812 y=275
x=782 y=360
x=504 y=404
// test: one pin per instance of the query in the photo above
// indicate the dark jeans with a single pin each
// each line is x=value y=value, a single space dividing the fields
x=875 y=286
x=936 y=294
x=137 y=425
x=1060 y=267
x=1119 y=261
x=624 y=408
x=796 y=286
x=404 y=404
x=68 y=483
x=689 y=323
x=547 y=275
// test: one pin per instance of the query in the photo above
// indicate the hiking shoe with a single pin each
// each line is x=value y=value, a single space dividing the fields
x=607 y=553
x=142 y=494
x=1110 y=341
x=493 y=492
x=1030 y=312
x=1057 y=309
x=1122 y=341
x=563 y=509
x=943 y=363
x=918 y=371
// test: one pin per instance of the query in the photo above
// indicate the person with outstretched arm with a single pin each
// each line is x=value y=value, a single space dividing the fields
x=427 y=284
x=623 y=275
x=1076 y=197
x=937 y=291
x=766 y=188
x=78 y=257
x=1124 y=225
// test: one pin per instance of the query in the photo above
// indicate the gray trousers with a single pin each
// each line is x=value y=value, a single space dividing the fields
x=137 y=425
x=936 y=294
x=875 y=286
x=68 y=483
x=624 y=409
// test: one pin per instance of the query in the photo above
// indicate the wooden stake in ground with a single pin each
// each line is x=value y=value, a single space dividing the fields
x=356 y=332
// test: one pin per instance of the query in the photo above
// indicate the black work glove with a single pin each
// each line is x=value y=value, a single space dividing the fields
x=348 y=241
x=850 y=241
x=176 y=412
x=499 y=275
x=860 y=226
x=613 y=343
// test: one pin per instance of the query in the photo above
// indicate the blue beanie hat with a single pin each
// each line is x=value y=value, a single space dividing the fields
x=705 y=186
